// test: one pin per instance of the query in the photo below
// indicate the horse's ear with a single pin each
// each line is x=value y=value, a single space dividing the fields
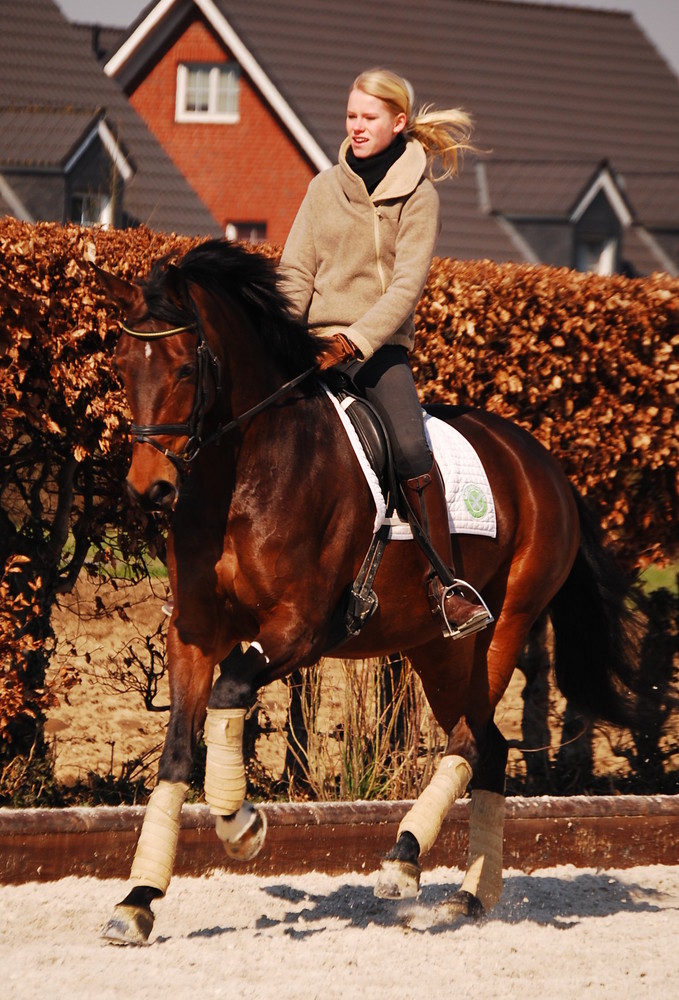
x=119 y=290
x=174 y=285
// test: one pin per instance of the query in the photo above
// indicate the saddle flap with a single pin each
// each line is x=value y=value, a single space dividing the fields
x=374 y=440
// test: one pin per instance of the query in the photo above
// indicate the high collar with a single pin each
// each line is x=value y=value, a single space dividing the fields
x=372 y=169
x=400 y=180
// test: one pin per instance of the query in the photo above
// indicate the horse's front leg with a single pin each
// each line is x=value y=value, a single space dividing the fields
x=239 y=825
x=191 y=679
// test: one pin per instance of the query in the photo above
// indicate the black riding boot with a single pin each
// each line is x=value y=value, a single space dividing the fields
x=427 y=499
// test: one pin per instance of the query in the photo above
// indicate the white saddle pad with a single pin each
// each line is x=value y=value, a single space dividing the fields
x=471 y=510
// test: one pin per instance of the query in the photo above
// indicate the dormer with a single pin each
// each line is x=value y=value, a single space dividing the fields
x=599 y=218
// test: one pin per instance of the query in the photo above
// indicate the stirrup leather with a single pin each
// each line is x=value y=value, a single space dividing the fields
x=438 y=594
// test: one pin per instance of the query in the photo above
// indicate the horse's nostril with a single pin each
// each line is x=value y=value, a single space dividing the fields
x=161 y=495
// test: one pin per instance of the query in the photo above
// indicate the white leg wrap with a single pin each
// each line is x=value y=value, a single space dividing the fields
x=157 y=845
x=427 y=814
x=484 y=860
x=224 y=770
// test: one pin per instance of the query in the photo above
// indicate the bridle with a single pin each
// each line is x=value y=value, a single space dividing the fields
x=208 y=364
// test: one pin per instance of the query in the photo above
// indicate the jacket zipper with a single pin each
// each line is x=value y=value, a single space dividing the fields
x=377 y=217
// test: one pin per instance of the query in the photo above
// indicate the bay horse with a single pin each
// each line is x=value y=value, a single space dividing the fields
x=235 y=435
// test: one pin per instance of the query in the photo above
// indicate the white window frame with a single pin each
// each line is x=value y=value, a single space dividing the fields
x=215 y=72
x=598 y=256
x=96 y=208
x=248 y=232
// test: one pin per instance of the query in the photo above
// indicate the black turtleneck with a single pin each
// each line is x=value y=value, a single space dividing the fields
x=372 y=169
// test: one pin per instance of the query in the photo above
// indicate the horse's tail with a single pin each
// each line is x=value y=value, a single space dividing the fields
x=596 y=632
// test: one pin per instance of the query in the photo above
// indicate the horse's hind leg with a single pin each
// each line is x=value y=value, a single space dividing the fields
x=399 y=876
x=482 y=885
x=484 y=754
x=463 y=685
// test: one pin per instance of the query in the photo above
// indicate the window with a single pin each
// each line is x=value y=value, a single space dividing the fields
x=207 y=93
x=91 y=209
x=597 y=255
x=248 y=232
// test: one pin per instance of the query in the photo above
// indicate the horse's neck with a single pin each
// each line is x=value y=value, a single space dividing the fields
x=297 y=453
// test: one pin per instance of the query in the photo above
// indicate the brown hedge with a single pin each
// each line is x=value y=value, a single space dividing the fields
x=587 y=363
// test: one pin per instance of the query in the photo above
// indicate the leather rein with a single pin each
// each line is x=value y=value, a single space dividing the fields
x=207 y=364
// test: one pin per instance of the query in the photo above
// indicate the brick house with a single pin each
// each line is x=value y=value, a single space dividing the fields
x=71 y=146
x=212 y=108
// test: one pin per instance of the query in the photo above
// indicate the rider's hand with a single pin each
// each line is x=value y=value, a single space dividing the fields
x=336 y=349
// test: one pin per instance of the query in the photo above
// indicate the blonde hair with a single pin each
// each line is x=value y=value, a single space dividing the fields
x=444 y=134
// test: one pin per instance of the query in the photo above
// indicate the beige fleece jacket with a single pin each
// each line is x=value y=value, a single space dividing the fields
x=356 y=263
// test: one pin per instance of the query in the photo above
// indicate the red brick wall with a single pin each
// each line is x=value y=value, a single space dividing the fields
x=246 y=172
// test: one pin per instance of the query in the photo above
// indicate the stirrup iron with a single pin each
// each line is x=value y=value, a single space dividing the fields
x=475 y=624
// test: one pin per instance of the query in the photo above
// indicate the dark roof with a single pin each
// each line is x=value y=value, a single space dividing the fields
x=42 y=137
x=654 y=195
x=102 y=39
x=51 y=87
x=569 y=85
x=535 y=188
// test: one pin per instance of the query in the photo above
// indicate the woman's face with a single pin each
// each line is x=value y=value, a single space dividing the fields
x=371 y=125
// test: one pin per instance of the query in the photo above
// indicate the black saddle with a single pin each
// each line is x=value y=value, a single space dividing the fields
x=373 y=436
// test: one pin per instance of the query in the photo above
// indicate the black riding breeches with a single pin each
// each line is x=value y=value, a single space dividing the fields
x=387 y=382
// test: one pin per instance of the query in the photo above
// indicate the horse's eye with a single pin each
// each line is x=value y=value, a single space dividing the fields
x=186 y=371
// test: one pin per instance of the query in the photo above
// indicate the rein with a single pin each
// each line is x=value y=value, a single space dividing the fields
x=193 y=427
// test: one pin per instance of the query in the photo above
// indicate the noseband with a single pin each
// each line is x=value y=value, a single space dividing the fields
x=207 y=363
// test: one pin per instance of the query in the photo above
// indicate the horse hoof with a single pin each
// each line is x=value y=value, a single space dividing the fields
x=465 y=904
x=128 y=925
x=397 y=880
x=244 y=834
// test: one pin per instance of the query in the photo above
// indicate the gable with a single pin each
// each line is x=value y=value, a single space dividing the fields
x=163 y=21
x=244 y=164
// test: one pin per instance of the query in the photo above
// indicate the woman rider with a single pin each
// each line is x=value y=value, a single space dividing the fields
x=355 y=265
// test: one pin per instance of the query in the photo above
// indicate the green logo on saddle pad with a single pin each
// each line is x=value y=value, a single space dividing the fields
x=475 y=500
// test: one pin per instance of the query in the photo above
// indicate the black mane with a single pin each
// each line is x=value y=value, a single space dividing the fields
x=246 y=278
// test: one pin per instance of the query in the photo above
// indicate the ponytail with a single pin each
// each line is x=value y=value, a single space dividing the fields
x=443 y=134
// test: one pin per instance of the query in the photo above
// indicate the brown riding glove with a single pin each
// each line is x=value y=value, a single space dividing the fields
x=337 y=348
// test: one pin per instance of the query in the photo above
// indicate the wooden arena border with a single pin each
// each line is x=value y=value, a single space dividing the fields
x=338 y=837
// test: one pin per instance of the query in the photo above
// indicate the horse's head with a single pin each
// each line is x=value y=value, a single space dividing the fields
x=170 y=379
x=211 y=328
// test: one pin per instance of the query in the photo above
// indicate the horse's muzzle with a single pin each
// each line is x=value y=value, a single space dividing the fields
x=161 y=495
